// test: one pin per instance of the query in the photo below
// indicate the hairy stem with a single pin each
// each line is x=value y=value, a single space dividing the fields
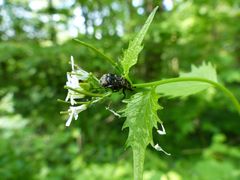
x=138 y=162
x=228 y=93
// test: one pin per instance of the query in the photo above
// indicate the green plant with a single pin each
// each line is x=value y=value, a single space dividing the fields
x=84 y=90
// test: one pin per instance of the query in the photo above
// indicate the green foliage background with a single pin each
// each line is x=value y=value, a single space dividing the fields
x=202 y=131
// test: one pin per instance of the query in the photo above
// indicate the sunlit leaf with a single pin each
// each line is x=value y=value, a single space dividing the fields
x=130 y=56
x=141 y=113
x=186 y=88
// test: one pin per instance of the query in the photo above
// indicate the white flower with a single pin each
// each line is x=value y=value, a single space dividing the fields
x=74 y=111
x=73 y=96
x=73 y=82
x=161 y=132
x=158 y=148
x=73 y=79
x=79 y=73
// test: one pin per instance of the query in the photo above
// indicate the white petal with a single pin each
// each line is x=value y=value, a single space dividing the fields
x=74 y=95
x=161 y=132
x=75 y=115
x=158 y=148
x=77 y=109
x=72 y=63
x=72 y=100
x=68 y=96
x=69 y=120
x=82 y=75
x=68 y=77
x=72 y=81
x=80 y=108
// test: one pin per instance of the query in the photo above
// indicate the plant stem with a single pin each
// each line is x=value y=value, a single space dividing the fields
x=85 y=92
x=108 y=59
x=65 y=102
x=138 y=162
x=228 y=93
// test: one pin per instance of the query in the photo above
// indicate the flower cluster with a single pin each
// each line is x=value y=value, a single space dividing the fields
x=81 y=94
x=74 y=78
x=74 y=111
x=157 y=147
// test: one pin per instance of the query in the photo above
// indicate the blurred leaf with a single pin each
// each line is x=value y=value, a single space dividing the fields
x=211 y=169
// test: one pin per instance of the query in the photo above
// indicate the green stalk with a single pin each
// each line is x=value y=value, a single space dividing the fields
x=108 y=59
x=85 y=92
x=228 y=93
x=138 y=162
x=65 y=102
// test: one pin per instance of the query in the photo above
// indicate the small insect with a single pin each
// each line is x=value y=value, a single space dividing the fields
x=115 y=82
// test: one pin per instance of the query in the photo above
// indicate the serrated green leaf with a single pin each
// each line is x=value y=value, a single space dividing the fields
x=130 y=56
x=186 y=88
x=141 y=113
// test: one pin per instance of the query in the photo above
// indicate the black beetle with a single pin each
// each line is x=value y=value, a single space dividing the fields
x=115 y=82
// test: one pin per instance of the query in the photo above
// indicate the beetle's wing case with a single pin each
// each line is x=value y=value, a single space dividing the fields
x=103 y=80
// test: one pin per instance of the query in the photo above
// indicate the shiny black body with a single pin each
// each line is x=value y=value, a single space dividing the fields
x=115 y=82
